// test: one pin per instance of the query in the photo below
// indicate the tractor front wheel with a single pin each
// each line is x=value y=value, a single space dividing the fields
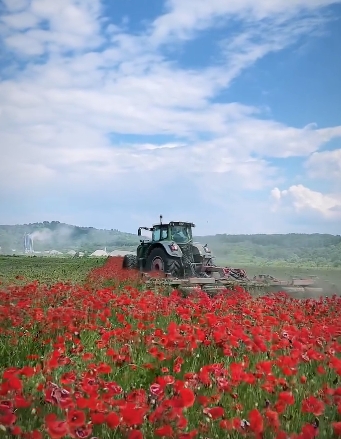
x=130 y=262
x=158 y=260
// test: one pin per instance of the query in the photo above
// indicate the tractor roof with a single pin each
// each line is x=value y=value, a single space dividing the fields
x=175 y=223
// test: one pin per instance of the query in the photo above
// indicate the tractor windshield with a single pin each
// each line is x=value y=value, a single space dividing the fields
x=181 y=234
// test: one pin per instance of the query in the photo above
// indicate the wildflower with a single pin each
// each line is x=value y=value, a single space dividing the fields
x=56 y=428
x=313 y=405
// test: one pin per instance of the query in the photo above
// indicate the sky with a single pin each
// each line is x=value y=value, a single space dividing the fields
x=226 y=114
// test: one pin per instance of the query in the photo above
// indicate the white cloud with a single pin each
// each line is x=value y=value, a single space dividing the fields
x=185 y=17
x=152 y=147
x=16 y=5
x=51 y=27
x=304 y=200
x=325 y=165
x=84 y=83
x=20 y=20
x=276 y=194
x=273 y=139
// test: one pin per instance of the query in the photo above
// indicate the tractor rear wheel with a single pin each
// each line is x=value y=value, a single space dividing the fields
x=130 y=262
x=158 y=260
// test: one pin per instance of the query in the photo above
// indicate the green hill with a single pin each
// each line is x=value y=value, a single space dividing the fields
x=294 y=248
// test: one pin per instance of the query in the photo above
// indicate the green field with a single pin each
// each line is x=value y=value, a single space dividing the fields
x=47 y=270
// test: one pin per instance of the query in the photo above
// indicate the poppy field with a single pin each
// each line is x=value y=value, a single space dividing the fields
x=107 y=358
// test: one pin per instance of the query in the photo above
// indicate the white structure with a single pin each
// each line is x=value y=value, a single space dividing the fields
x=120 y=253
x=55 y=253
x=99 y=253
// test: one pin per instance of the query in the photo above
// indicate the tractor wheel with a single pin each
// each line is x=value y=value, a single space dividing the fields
x=130 y=262
x=158 y=260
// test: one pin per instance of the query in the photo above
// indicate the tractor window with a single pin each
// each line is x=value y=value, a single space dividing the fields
x=181 y=234
x=156 y=235
x=164 y=233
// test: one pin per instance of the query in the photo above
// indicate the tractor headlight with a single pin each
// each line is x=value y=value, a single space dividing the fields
x=174 y=247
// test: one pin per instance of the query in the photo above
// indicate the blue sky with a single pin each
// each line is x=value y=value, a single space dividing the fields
x=224 y=113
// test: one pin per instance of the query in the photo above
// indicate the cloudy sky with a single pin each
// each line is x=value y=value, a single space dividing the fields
x=224 y=113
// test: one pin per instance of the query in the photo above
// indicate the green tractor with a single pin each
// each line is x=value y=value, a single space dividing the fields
x=172 y=251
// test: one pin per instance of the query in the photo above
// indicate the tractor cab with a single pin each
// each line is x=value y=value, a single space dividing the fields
x=177 y=231
x=171 y=249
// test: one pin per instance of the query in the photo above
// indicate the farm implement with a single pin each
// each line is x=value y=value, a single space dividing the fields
x=188 y=265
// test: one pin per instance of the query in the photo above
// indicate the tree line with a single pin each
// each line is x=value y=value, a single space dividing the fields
x=293 y=248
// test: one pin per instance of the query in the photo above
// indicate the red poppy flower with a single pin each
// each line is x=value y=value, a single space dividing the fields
x=8 y=419
x=82 y=432
x=27 y=371
x=189 y=435
x=15 y=383
x=15 y=430
x=135 y=434
x=265 y=367
x=313 y=405
x=112 y=420
x=76 y=418
x=98 y=418
x=226 y=424
x=187 y=397
x=337 y=428
x=104 y=368
x=214 y=412
x=21 y=402
x=157 y=390
x=256 y=421
x=55 y=428
x=308 y=432
x=165 y=431
x=286 y=397
x=272 y=418
x=132 y=415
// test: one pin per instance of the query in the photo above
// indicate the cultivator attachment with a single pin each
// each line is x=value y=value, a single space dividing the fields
x=211 y=285
x=228 y=273
x=220 y=279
